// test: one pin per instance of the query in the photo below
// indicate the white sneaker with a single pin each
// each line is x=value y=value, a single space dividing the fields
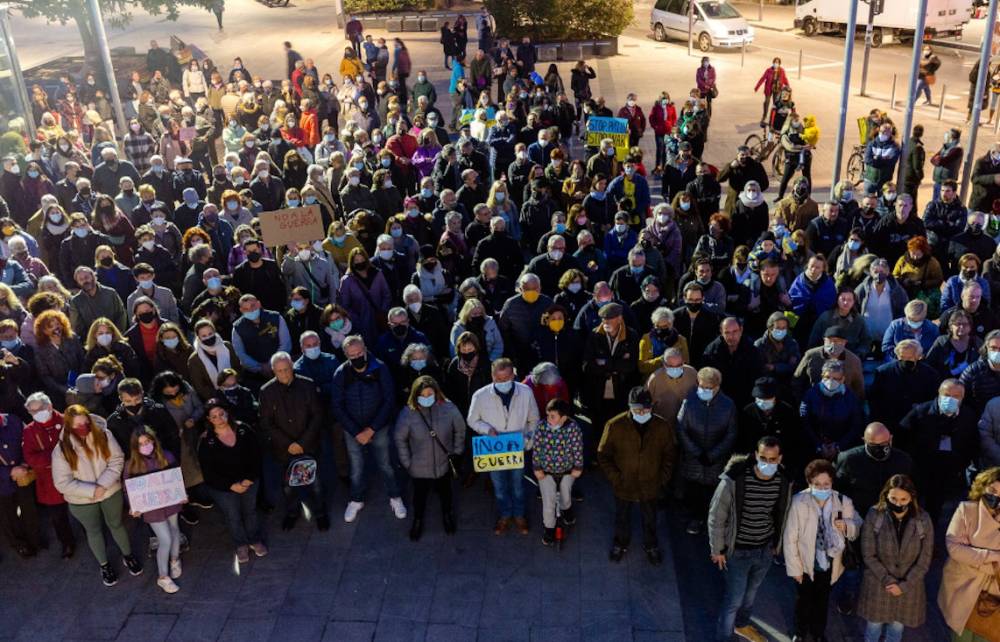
x=167 y=585
x=353 y=508
x=398 y=508
x=175 y=569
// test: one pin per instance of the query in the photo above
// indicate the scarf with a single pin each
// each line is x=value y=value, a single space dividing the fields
x=337 y=338
x=431 y=282
x=468 y=367
x=747 y=202
x=221 y=355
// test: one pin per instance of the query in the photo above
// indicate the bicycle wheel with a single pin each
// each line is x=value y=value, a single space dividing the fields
x=756 y=145
x=778 y=164
x=855 y=167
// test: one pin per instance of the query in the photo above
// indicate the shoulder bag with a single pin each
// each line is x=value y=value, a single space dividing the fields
x=452 y=459
x=984 y=620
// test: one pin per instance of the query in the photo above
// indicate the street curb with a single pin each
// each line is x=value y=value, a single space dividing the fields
x=954 y=45
x=761 y=25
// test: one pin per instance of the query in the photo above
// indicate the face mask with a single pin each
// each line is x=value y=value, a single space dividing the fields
x=354 y=180
x=629 y=171
x=10 y=345
x=171 y=343
x=42 y=416
x=304 y=255
x=833 y=349
x=883 y=137
x=385 y=255
x=767 y=470
x=916 y=325
x=293 y=202
x=693 y=307
x=148 y=245
x=641 y=419
x=621 y=228
x=831 y=387
x=252 y=315
x=311 y=353
x=574 y=287
x=992 y=501
x=556 y=325
x=898 y=509
x=418 y=364
x=556 y=255
x=821 y=494
x=107 y=261
x=359 y=363
x=765 y=404
x=81 y=431
x=948 y=405
x=147 y=449
x=504 y=387
x=210 y=340
x=146 y=284
x=80 y=232
x=530 y=295
x=705 y=394
x=263 y=174
x=854 y=245
x=146 y=317
x=779 y=334
x=337 y=325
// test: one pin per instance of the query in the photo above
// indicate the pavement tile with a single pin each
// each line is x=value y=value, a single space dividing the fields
x=298 y=627
x=148 y=627
x=247 y=630
x=307 y=604
x=393 y=629
x=450 y=633
x=198 y=622
x=358 y=598
x=554 y=633
x=345 y=631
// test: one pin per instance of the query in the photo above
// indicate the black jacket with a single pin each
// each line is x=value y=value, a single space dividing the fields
x=698 y=334
x=153 y=415
x=291 y=413
x=921 y=433
x=861 y=477
x=894 y=391
x=739 y=369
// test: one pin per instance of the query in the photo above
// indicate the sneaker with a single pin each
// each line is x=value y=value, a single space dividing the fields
x=108 y=575
x=167 y=585
x=617 y=553
x=549 y=537
x=175 y=569
x=398 y=508
x=206 y=504
x=353 y=508
x=750 y=632
x=259 y=549
x=569 y=516
x=132 y=564
x=242 y=554
x=654 y=555
x=694 y=527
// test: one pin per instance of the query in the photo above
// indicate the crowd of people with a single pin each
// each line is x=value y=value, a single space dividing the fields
x=809 y=380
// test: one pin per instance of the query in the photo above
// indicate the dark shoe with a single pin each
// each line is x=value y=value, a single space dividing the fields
x=845 y=605
x=189 y=517
x=694 y=527
x=26 y=551
x=288 y=523
x=654 y=555
x=577 y=494
x=617 y=553
x=108 y=575
x=569 y=516
x=132 y=564
x=417 y=529
x=206 y=504
x=501 y=526
x=449 y=523
x=549 y=537
x=263 y=505
x=323 y=523
x=68 y=551
x=522 y=525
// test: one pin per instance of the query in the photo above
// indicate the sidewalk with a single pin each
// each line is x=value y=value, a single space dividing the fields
x=776 y=17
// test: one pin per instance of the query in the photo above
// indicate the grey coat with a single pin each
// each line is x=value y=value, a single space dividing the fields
x=888 y=561
x=707 y=433
x=419 y=453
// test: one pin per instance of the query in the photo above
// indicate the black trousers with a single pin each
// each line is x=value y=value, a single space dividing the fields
x=793 y=161
x=20 y=531
x=59 y=516
x=812 y=597
x=697 y=497
x=623 y=522
x=422 y=488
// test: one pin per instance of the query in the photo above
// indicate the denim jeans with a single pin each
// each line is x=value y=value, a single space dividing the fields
x=508 y=489
x=893 y=631
x=240 y=514
x=313 y=494
x=922 y=87
x=937 y=191
x=356 y=453
x=745 y=570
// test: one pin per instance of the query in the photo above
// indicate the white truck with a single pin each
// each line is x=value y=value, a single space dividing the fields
x=896 y=21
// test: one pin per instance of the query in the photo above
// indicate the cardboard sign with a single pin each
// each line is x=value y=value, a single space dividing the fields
x=292 y=225
x=503 y=452
x=188 y=133
x=601 y=127
x=156 y=490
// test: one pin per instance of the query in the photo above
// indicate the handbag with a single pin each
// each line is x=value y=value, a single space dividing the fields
x=851 y=557
x=984 y=620
x=451 y=458
x=301 y=471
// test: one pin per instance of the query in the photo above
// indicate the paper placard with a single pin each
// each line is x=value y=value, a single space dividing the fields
x=292 y=225
x=601 y=127
x=156 y=490
x=502 y=452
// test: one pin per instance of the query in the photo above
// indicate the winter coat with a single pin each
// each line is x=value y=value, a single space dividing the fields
x=38 y=441
x=836 y=419
x=602 y=362
x=639 y=466
x=861 y=477
x=487 y=412
x=707 y=433
x=895 y=391
x=419 y=453
x=799 y=538
x=366 y=305
x=291 y=413
x=726 y=509
x=77 y=486
x=973 y=539
x=982 y=383
x=989 y=435
x=984 y=187
x=363 y=399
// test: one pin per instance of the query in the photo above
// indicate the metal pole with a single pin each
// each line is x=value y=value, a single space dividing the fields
x=743 y=55
x=20 y=90
x=109 y=70
x=977 y=106
x=690 y=26
x=869 y=29
x=800 y=64
x=845 y=89
x=338 y=8
x=996 y=127
x=760 y=11
x=892 y=96
x=911 y=88
x=944 y=92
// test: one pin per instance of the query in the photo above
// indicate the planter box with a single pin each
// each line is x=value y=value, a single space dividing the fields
x=411 y=23
x=393 y=25
x=571 y=51
x=429 y=24
x=548 y=53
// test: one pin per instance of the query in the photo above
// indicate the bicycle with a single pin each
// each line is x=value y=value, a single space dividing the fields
x=763 y=148
x=856 y=164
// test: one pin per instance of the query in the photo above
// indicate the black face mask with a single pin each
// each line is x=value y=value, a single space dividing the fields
x=210 y=341
x=107 y=261
x=896 y=508
x=133 y=409
x=359 y=363
x=878 y=452
x=476 y=323
x=908 y=366
x=467 y=356
x=992 y=501
x=146 y=317
x=693 y=307
x=253 y=257
x=399 y=331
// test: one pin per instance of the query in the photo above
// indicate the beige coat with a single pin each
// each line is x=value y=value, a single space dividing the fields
x=668 y=394
x=799 y=539
x=77 y=486
x=973 y=541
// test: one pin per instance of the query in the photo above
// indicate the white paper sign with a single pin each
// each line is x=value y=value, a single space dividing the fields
x=156 y=490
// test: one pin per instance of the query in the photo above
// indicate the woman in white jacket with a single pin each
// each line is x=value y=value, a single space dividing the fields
x=819 y=523
x=193 y=82
x=87 y=469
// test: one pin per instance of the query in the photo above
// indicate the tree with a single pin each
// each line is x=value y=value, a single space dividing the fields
x=117 y=13
x=560 y=19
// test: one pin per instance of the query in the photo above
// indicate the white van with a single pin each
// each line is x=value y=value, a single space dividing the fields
x=716 y=23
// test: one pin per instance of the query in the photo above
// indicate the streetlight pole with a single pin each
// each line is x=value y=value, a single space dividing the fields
x=109 y=70
x=17 y=78
x=977 y=98
x=869 y=31
x=845 y=89
x=690 y=25
x=911 y=99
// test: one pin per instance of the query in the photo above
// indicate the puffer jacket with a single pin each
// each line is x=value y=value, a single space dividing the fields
x=727 y=506
x=419 y=453
x=638 y=465
x=705 y=430
x=799 y=538
x=363 y=399
x=77 y=486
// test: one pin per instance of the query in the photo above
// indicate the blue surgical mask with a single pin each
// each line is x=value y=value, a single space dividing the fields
x=427 y=192
x=831 y=387
x=574 y=287
x=779 y=334
x=641 y=419
x=821 y=495
x=81 y=232
x=916 y=325
x=311 y=353
x=396 y=232
x=675 y=373
x=504 y=387
x=560 y=228
x=171 y=343
x=705 y=394
x=10 y=345
x=298 y=305
x=767 y=470
x=418 y=364
x=426 y=402
x=253 y=315
x=948 y=405
x=597 y=196
x=310 y=200
x=854 y=245
x=765 y=404
x=214 y=283
x=293 y=202
x=994 y=357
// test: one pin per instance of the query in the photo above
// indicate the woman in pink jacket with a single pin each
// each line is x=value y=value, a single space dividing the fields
x=662 y=118
x=773 y=79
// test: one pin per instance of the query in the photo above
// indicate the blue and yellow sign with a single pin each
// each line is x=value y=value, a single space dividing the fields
x=502 y=452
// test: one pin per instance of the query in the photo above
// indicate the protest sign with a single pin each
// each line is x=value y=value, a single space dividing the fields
x=188 y=134
x=468 y=114
x=292 y=225
x=502 y=452
x=155 y=490
x=601 y=127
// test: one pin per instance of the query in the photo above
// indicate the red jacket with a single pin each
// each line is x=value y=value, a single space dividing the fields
x=403 y=147
x=662 y=120
x=636 y=119
x=309 y=124
x=37 y=443
x=768 y=80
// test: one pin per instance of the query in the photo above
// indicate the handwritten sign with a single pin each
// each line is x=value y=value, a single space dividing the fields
x=188 y=133
x=503 y=452
x=468 y=115
x=292 y=225
x=155 y=490
x=601 y=127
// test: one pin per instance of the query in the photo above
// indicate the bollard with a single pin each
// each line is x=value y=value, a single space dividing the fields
x=892 y=96
x=996 y=128
x=944 y=92
x=743 y=53
x=800 y=64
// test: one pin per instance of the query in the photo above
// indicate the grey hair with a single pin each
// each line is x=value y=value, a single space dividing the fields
x=489 y=263
x=916 y=306
x=546 y=373
x=384 y=238
x=278 y=357
x=908 y=344
x=395 y=312
x=407 y=355
x=711 y=375
x=308 y=334
x=528 y=278
x=672 y=352
x=354 y=339
x=662 y=314
x=832 y=366
x=38 y=397
x=412 y=289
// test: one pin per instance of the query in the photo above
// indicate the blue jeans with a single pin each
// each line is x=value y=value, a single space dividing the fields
x=893 y=631
x=313 y=494
x=937 y=191
x=508 y=489
x=745 y=570
x=356 y=453
x=922 y=86
x=240 y=514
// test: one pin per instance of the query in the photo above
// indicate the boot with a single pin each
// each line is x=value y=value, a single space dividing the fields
x=568 y=516
x=449 y=523
x=417 y=529
x=549 y=537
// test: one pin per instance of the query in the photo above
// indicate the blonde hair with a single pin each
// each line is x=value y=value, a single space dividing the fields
x=91 y=340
